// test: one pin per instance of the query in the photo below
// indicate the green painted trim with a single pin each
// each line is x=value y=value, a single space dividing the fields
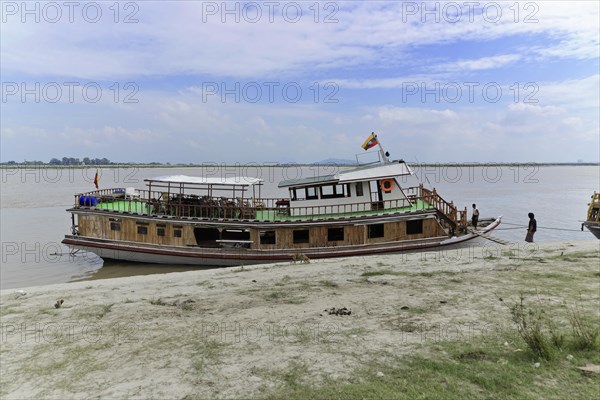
x=274 y=215
x=124 y=206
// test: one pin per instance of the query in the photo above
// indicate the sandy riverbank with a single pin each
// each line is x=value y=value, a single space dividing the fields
x=240 y=332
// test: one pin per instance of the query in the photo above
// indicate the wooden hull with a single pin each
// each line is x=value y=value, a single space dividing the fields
x=188 y=255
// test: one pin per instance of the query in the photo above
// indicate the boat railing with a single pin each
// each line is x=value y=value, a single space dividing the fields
x=353 y=209
x=157 y=203
x=164 y=203
x=457 y=218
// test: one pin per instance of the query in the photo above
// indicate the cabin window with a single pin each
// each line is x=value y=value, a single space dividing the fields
x=142 y=230
x=115 y=226
x=298 y=194
x=348 y=191
x=160 y=231
x=267 y=237
x=301 y=236
x=177 y=233
x=311 y=193
x=327 y=191
x=235 y=234
x=414 y=227
x=332 y=191
x=335 y=234
x=359 y=189
x=376 y=231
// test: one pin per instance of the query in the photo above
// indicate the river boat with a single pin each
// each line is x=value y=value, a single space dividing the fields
x=592 y=223
x=224 y=221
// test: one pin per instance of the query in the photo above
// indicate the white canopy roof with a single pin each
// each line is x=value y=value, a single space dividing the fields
x=375 y=172
x=208 y=180
x=360 y=174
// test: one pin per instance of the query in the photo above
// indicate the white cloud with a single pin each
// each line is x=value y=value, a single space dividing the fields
x=413 y=115
x=172 y=128
x=384 y=83
x=370 y=47
x=172 y=39
x=482 y=63
x=535 y=110
x=23 y=133
x=576 y=94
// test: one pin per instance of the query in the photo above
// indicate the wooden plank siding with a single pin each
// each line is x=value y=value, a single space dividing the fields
x=353 y=235
x=395 y=231
x=100 y=226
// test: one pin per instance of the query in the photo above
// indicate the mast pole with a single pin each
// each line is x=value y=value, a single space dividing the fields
x=381 y=151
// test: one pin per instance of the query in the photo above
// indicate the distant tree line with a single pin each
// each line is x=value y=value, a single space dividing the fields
x=66 y=161
x=23 y=163
x=77 y=161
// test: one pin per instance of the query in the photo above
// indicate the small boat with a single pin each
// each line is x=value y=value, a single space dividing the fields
x=217 y=221
x=593 y=216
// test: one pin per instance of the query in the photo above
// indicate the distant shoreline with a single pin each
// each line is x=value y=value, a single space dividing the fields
x=283 y=165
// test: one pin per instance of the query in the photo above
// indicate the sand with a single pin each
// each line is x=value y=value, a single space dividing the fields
x=236 y=332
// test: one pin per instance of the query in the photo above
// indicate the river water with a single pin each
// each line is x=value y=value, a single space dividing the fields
x=33 y=203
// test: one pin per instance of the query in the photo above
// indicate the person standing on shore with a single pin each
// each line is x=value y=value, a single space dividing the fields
x=475 y=217
x=531 y=229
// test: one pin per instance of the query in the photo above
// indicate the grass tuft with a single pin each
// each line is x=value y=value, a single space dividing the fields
x=544 y=338
x=585 y=334
x=530 y=326
x=328 y=283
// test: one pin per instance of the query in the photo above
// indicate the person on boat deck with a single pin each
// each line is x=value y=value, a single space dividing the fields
x=475 y=217
x=531 y=229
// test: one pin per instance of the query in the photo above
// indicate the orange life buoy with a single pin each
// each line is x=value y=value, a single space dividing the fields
x=387 y=185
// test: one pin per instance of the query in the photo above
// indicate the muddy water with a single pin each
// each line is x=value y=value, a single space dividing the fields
x=34 y=221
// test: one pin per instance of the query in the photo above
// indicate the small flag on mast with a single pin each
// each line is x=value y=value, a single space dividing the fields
x=96 y=179
x=370 y=142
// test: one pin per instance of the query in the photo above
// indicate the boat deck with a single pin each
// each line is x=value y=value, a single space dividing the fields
x=163 y=204
x=269 y=214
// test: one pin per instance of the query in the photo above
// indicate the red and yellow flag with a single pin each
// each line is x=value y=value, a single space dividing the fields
x=370 y=142
x=96 y=179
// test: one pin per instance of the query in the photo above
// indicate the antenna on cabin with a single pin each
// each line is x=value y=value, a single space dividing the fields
x=384 y=154
x=421 y=169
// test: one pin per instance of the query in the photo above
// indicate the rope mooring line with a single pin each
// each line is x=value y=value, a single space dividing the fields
x=539 y=227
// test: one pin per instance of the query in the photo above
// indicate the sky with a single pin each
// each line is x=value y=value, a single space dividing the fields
x=284 y=81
